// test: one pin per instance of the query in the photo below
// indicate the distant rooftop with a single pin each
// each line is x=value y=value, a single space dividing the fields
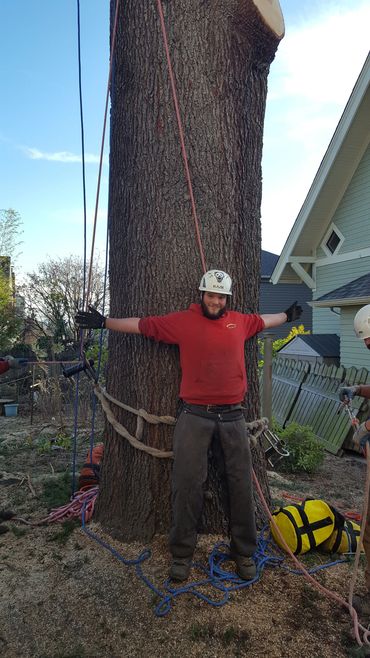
x=268 y=262
x=325 y=345
x=358 y=288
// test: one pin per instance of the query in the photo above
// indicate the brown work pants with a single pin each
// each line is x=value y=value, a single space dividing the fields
x=192 y=440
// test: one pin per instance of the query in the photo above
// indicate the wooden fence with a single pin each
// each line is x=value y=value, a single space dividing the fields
x=287 y=378
x=309 y=395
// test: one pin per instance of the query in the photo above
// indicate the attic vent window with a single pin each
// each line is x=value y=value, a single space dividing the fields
x=333 y=242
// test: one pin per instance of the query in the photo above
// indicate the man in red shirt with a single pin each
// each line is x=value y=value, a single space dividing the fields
x=4 y=366
x=10 y=362
x=211 y=341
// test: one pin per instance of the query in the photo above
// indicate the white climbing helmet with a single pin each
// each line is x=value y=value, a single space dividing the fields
x=361 y=322
x=216 y=281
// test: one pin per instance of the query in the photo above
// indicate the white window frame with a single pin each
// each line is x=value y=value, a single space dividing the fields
x=327 y=235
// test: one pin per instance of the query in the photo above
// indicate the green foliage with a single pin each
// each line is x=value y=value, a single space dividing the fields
x=306 y=454
x=93 y=353
x=200 y=632
x=9 y=319
x=18 y=532
x=230 y=634
x=280 y=342
x=45 y=445
x=65 y=530
x=57 y=490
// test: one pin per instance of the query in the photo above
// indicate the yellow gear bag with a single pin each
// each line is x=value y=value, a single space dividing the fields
x=343 y=539
x=303 y=526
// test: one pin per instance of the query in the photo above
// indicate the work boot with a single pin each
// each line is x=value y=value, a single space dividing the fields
x=245 y=567
x=362 y=604
x=180 y=568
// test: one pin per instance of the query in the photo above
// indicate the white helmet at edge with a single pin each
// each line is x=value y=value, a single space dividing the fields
x=216 y=281
x=361 y=322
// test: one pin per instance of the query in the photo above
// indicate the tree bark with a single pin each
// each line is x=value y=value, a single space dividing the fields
x=221 y=52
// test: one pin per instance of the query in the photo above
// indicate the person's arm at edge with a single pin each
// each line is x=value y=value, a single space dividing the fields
x=363 y=390
x=125 y=325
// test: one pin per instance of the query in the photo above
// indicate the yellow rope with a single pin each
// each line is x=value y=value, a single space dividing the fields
x=122 y=431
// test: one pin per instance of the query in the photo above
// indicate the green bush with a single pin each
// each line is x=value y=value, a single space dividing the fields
x=306 y=454
x=57 y=490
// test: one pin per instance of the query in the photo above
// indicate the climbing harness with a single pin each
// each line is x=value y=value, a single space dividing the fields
x=275 y=449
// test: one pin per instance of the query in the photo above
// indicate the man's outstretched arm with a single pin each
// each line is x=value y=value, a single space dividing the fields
x=92 y=319
x=292 y=313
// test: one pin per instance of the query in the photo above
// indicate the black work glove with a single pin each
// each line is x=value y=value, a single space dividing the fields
x=346 y=393
x=294 y=312
x=90 y=319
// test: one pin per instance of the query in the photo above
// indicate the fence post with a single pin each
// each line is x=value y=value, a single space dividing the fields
x=32 y=388
x=267 y=377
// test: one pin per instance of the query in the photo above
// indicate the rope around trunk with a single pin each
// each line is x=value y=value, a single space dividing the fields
x=135 y=441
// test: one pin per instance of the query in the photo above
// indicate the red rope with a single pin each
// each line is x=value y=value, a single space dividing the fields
x=181 y=134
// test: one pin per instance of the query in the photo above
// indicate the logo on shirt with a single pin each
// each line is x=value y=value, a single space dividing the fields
x=231 y=325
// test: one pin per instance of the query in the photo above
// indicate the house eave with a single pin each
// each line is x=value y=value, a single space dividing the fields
x=329 y=303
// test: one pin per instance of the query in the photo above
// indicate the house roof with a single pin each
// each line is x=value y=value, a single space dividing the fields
x=268 y=262
x=355 y=292
x=347 y=146
x=325 y=345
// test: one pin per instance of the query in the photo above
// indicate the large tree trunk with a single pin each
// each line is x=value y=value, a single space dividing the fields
x=221 y=51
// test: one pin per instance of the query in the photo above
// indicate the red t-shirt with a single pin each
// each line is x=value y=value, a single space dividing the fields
x=4 y=367
x=211 y=351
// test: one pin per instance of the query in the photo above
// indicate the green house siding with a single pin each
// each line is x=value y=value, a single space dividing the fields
x=330 y=277
x=352 y=216
x=325 y=321
x=353 y=352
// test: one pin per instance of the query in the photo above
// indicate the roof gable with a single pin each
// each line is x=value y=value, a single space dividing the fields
x=325 y=345
x=347 y=146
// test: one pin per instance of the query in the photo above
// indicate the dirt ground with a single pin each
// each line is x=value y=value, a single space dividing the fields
x=63 y=595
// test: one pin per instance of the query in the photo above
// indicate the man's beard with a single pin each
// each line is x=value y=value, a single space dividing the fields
x=209 y=315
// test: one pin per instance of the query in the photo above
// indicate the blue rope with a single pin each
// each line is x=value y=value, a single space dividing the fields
x=224 y=582
x=75 y=427
x=94 y=401
x=76 y=400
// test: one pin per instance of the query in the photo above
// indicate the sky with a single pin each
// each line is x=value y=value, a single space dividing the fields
x=310 y=81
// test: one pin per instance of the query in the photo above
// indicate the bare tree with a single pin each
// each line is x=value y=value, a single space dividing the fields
x=221 y=52
x=54 y=292
x=10 y=232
